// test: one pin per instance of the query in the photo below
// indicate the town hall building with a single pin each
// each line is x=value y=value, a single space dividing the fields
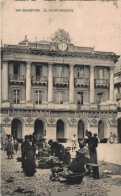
x=56 y=89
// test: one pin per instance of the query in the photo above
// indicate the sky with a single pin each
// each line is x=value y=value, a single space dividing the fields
x=91 y=24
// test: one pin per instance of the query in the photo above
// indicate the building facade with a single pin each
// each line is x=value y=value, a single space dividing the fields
x=117 y=88
x=57 y=89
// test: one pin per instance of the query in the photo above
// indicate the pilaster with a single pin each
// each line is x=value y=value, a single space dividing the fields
x=5 y=81
x=50 y=82
x=71 y=84
x=92 y=100
x=111 y=83
x=28 y=82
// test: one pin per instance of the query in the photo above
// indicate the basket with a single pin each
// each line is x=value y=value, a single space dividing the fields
x=74 y=178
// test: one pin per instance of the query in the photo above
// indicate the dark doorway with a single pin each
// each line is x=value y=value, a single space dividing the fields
x=80 y=130
x=60 y=131
x=16 y=129
x=39 y=129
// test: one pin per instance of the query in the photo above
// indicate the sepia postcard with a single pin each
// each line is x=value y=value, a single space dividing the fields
x=60 y=97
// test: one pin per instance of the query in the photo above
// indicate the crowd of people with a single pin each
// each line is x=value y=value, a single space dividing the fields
x=10 y=145
x=31 y=148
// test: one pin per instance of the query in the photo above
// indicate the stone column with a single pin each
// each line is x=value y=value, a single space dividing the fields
x=112 y=83
x=28 y=82
x=50 y=82
x=115 y=93
x=92 y=91
x=5 y=81
x=71 y=84
x=120 y=89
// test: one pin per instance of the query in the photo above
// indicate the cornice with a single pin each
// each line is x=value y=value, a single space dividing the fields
x=48 y=52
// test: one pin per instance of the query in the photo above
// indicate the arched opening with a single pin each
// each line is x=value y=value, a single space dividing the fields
x=103 y=130
x=39 y=129
x=60 y=131
x=16 y=129
x=80 y=130
x=119 y=130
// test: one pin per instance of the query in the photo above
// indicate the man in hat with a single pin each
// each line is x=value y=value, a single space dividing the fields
x=92 y=145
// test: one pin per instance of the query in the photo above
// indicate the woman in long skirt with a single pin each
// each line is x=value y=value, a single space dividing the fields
x=30 y=157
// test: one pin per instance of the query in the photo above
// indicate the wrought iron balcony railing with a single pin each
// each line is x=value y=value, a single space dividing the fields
x=42 y=80
x=81 y=82
x=101 y=82
x=60 y=81
x=17 y=79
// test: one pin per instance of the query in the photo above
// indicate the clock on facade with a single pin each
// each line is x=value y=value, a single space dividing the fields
x=62 y=46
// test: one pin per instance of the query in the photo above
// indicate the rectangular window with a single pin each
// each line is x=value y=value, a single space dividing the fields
x=38 y=97
x=60 y=97
x=16 y=69
x=100 y=97
x=38 y=70
x=80 y=98
x=16 y=96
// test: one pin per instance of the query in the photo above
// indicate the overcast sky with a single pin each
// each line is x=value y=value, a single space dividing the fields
x=90 y=24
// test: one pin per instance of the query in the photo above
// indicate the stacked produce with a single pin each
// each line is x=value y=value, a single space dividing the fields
x=49 y=162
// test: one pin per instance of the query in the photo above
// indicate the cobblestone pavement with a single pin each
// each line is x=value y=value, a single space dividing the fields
x=14 y=182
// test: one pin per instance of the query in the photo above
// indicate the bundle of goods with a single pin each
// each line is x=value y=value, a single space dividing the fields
x=44 y=151
x=64 y=175
x=49 y=162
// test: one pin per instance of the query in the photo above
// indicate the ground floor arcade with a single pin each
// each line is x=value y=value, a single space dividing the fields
x=62 y=125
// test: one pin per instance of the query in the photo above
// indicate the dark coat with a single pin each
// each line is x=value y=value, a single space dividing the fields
x=10 y=148
x=30 y=160
x=92 y=145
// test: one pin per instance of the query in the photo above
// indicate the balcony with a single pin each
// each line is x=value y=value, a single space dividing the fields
x=58 y=81
x=14 y=79
x=101 y=83
x=39 y=80
x=81 y=82
x=117 y=80
x=118 y=97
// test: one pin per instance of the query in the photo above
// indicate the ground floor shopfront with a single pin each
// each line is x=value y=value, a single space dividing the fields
x=60 y=125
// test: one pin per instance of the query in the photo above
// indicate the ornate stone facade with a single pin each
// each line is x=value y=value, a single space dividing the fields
x=57 y=92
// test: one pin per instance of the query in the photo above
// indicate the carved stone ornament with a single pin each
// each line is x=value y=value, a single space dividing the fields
x=113 y=121
x=53 y=48
x=6 y=120
x=73 y=121
x=29 y=120
x=94 y=121
x=51 y=120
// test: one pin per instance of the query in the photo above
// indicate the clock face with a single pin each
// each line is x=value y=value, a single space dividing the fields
x=62 y=46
